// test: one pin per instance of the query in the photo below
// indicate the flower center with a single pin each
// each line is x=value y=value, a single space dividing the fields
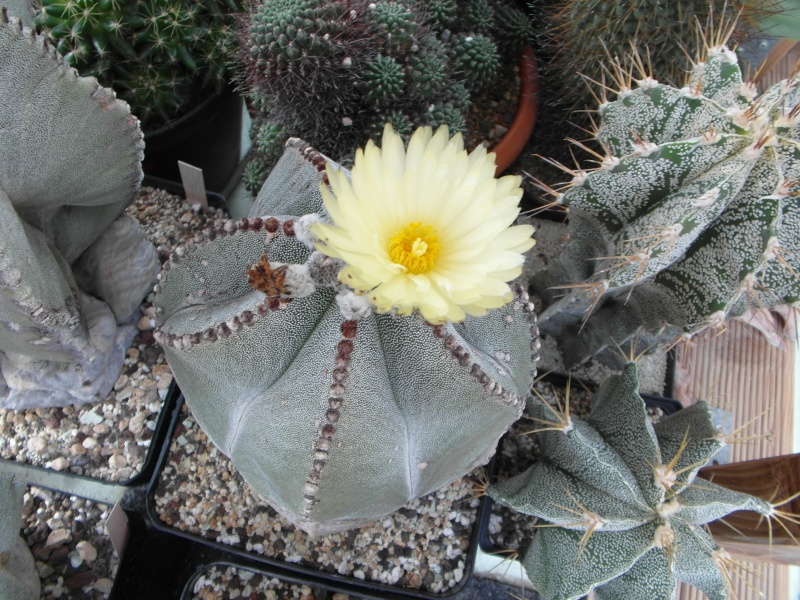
x=416 y=247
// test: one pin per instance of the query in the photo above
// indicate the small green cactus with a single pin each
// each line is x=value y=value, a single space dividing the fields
x=333 y=72
x=622 y=511
x=690 y=217
x=155 y=53
x=73 y=269
x=336 y=407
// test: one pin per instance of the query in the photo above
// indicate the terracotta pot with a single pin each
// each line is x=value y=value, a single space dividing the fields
x=518 y=134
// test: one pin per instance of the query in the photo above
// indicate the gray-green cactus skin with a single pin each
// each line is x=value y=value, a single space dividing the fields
x=18 y=577
x=622 y=510
x=71 y=266
x=333 y=73
x=690 y=217
x=335 y=418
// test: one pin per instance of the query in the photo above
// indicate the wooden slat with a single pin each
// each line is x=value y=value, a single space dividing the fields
x=739 y=371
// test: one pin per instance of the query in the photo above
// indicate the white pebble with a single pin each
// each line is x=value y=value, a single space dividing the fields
x=117 y=461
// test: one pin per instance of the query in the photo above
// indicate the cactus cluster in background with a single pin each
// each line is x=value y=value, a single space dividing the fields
x=334 y=73
x=73 y=269
x=334 y=408
x=621 y=510
x=585 y=33
x=156 y=54
x=690 y=217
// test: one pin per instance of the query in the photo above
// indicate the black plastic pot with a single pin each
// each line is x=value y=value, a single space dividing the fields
x=209 y=137
x=170 y=557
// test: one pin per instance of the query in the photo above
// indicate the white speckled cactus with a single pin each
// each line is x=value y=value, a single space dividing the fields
x=690 y=216
x=18 y=577
x=71 y=268
x=333 y=413
x=622 y=511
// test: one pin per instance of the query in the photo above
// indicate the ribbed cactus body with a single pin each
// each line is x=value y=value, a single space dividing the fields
x=689 y=219
x=71 y=267
x=622 y=511
x=587 y=32
x=336 y=417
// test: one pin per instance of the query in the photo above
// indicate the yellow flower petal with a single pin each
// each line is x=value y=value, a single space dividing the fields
x=436 y=210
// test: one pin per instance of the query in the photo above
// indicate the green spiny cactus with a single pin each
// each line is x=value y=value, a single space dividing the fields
x=330 y=71
x=399 y=122
x=478 y=16
x=395 y=24
x=336 y=409
x=270 y=138
x=475 y=57
x=587 y=32
x=72 y=267
x=622 y=510
x=384 y=80
x=443 y=13
x=155 y=53
x=18 y=577
x=446 y=114
x=690 y=217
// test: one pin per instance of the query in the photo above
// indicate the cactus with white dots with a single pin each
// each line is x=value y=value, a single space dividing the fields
x=690 y=217
x=73 y=268
x=622 y=512
x=334 y=414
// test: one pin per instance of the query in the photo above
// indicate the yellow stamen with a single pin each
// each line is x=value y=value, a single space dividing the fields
x=416 y=247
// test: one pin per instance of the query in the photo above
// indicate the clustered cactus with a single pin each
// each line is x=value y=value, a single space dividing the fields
x=156 y=54
x=73 y=269
x=690 y=217
x=621 y=509
x=334 y=73
x=336 y=415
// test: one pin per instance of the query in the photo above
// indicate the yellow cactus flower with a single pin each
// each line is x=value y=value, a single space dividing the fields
x=425 y=228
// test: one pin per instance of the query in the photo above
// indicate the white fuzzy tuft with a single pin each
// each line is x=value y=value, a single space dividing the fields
x=352 y=306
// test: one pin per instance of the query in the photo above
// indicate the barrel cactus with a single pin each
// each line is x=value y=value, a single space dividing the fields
x=347 y=380
x=690 y=216
x=18 y=577
x=73 y=269
x=335 y=72
x=622 y=511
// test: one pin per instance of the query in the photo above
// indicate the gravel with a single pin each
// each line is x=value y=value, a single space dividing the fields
x=232 y=583
x=423 y=545
x=74 y=557
x=110 y=440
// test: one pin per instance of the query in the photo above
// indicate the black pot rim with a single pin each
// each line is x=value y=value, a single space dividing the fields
x=250 y=561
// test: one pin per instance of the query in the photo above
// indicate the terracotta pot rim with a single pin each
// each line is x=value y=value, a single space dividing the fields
x=513 y=142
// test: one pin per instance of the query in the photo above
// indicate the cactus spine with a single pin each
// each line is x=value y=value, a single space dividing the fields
x=623 y=511
x=689 y=218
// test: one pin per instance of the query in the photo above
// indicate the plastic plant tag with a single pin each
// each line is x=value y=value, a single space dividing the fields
x=193 y=184
x=117 y=528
